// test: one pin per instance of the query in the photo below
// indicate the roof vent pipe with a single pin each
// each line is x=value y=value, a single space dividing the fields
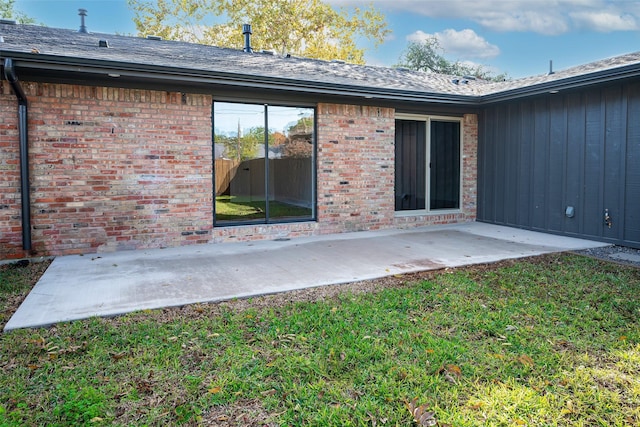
x=550 y=67
x=246 y=32
x=82 y=13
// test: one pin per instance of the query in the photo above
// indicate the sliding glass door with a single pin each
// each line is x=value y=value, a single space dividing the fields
x=427 y=164
x=264 y=163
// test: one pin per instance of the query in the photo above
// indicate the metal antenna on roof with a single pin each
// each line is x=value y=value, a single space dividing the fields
x=82 y=13
x=246 y=31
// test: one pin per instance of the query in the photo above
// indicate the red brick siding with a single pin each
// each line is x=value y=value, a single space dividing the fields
x=469 y=167
x=355 y=167
x=10 y=222
x=245 y=233
x=118 y=169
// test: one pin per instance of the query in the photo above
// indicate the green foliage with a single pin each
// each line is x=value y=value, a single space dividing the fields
x=234 y=208
x=8 y=11
x=250 y=141
x=245 y=146
x=310 y=28
x=427 y=56
x=80 y=406
x=303 y=125
x=549 y=341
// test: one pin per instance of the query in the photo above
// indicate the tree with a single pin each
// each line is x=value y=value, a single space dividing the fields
x=309 y=28
x=304 y=125
x=8 y=11
x=244 y=145
x=299 y=143
x=426 y=56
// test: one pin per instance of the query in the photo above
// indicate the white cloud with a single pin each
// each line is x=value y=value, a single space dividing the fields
x=465 y=43
x=524 y=20
x=605 y=21
x=550 y=17
x=419 y=36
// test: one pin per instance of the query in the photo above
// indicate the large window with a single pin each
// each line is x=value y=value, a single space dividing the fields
x=264 y=163
x=428 y=171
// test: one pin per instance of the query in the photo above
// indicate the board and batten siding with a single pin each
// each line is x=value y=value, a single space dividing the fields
x=580 y=149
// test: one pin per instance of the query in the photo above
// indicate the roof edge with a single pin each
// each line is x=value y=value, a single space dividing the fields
x=92 y=68
x=563 y=84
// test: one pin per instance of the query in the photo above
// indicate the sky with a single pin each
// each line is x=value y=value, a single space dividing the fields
x=516 y=37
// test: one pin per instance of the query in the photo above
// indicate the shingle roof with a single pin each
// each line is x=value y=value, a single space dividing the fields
x=48 y=45
x=619 y=66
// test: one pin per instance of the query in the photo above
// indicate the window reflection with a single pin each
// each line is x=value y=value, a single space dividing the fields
x=263 y=176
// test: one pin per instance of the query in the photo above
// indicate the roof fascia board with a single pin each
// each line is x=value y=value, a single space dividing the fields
x=138 y=71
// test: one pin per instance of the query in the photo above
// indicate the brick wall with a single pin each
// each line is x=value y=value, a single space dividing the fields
x=115 y=169
x=10 y=222
x=469 y=167
x=355 y=167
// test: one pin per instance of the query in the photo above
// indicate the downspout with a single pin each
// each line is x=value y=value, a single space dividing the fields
x=23 y=121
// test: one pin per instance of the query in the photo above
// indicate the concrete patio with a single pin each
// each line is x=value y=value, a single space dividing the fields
x=78 y=287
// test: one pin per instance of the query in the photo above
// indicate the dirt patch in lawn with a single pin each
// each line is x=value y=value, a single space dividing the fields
x=16 y=281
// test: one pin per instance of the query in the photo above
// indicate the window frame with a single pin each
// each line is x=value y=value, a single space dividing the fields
x=314 y=173
x=427 y=119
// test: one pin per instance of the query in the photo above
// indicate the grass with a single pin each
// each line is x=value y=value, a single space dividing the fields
x=231 y=208
x=547 y=341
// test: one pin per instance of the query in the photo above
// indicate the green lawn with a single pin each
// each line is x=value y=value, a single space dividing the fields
x=230 y=208
x=547 y=341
